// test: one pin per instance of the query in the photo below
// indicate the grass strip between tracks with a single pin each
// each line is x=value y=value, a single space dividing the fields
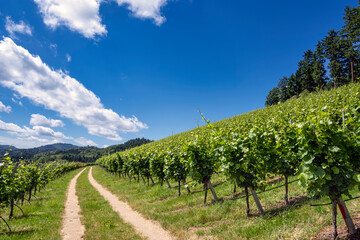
x=100 y=221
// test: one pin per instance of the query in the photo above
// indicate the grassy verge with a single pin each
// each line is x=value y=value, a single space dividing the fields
x=43 y=216
x=187 y=216
x=100 y=221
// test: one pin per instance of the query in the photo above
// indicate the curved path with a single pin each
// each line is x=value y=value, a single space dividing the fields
x=72 y=228
x=150 y=229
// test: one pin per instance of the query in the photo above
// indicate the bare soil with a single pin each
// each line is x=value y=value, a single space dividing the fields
x=147 y=228
x=326 y=233
x=72 y=228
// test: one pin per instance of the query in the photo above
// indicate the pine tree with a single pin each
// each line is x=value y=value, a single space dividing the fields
x=294 y=85
x=334 y=51
x=318 y=67
x=350 y=35
x=283 y=89
x=305 y=70
x=272 y=97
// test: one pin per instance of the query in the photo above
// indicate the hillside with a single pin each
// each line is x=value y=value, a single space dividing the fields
x=69 y=152
x=7 y=147
x=313 y=139
x=30 y=152
x=57 y=146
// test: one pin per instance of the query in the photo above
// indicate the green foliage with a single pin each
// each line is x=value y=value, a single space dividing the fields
x=18 y=179
x=174 y=168
x=316 y=136
x=330 y=155
x=273 y=97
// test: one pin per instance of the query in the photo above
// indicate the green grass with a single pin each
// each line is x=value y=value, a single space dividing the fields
x=187 y=216
x=43 y=217
x=100 y=221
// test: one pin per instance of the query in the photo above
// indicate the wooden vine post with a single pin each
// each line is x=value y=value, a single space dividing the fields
x=257 y=201
x=346 y=215
x=167 y=181
x=213 y=191
x=286 y=190
x=334 y=223
x=247 y=202
x=208 y=185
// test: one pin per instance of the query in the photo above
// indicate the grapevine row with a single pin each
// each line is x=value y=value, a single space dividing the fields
x=315 y=136
x=19 y=181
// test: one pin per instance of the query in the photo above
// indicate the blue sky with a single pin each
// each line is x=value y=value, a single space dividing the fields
x=96 y=72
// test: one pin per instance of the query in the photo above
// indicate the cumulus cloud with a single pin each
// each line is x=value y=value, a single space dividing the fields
x=30 y=77
x=145 y=9
x=40 y=120
x=79 y=16
x=14 y=129
x=21 y=27
x=45 y=132
x=82 y=16
x=39 y=135
x=4 y=108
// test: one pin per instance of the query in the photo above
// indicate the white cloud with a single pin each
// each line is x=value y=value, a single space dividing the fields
x=21 y=27
x=68 y=57
x=145 y=9
x=40 y=120
x=4 y=108
x=11 y=128
x=30 y=77
x=40 y=131
x=79 y=16
x=45 y=132
x=26 y=142
x=82 y=16
x=37 y=135
x=84 y=141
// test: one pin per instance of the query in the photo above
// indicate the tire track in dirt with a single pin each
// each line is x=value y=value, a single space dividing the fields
x=72 y=228
x=150 y=229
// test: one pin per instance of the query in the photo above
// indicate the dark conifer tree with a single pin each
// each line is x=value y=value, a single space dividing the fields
x=318 y=67
x=350 y=35
x=334 y=52
x=294 y=85
x=272 y=97
x=305 y=72
x=283 y=89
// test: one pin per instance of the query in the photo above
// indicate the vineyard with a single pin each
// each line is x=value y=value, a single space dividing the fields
x=20 y=181
x=314 y=138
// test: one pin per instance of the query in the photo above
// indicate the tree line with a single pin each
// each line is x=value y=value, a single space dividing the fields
x=335 y=61
x=69 y=153
x=88 y=154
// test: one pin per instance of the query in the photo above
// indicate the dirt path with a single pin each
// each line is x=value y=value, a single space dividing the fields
x=72 y=228
x=150 y=229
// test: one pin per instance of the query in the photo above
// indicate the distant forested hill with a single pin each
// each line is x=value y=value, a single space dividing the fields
x=6 y=147
x=68 y=152
x=30 y=152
